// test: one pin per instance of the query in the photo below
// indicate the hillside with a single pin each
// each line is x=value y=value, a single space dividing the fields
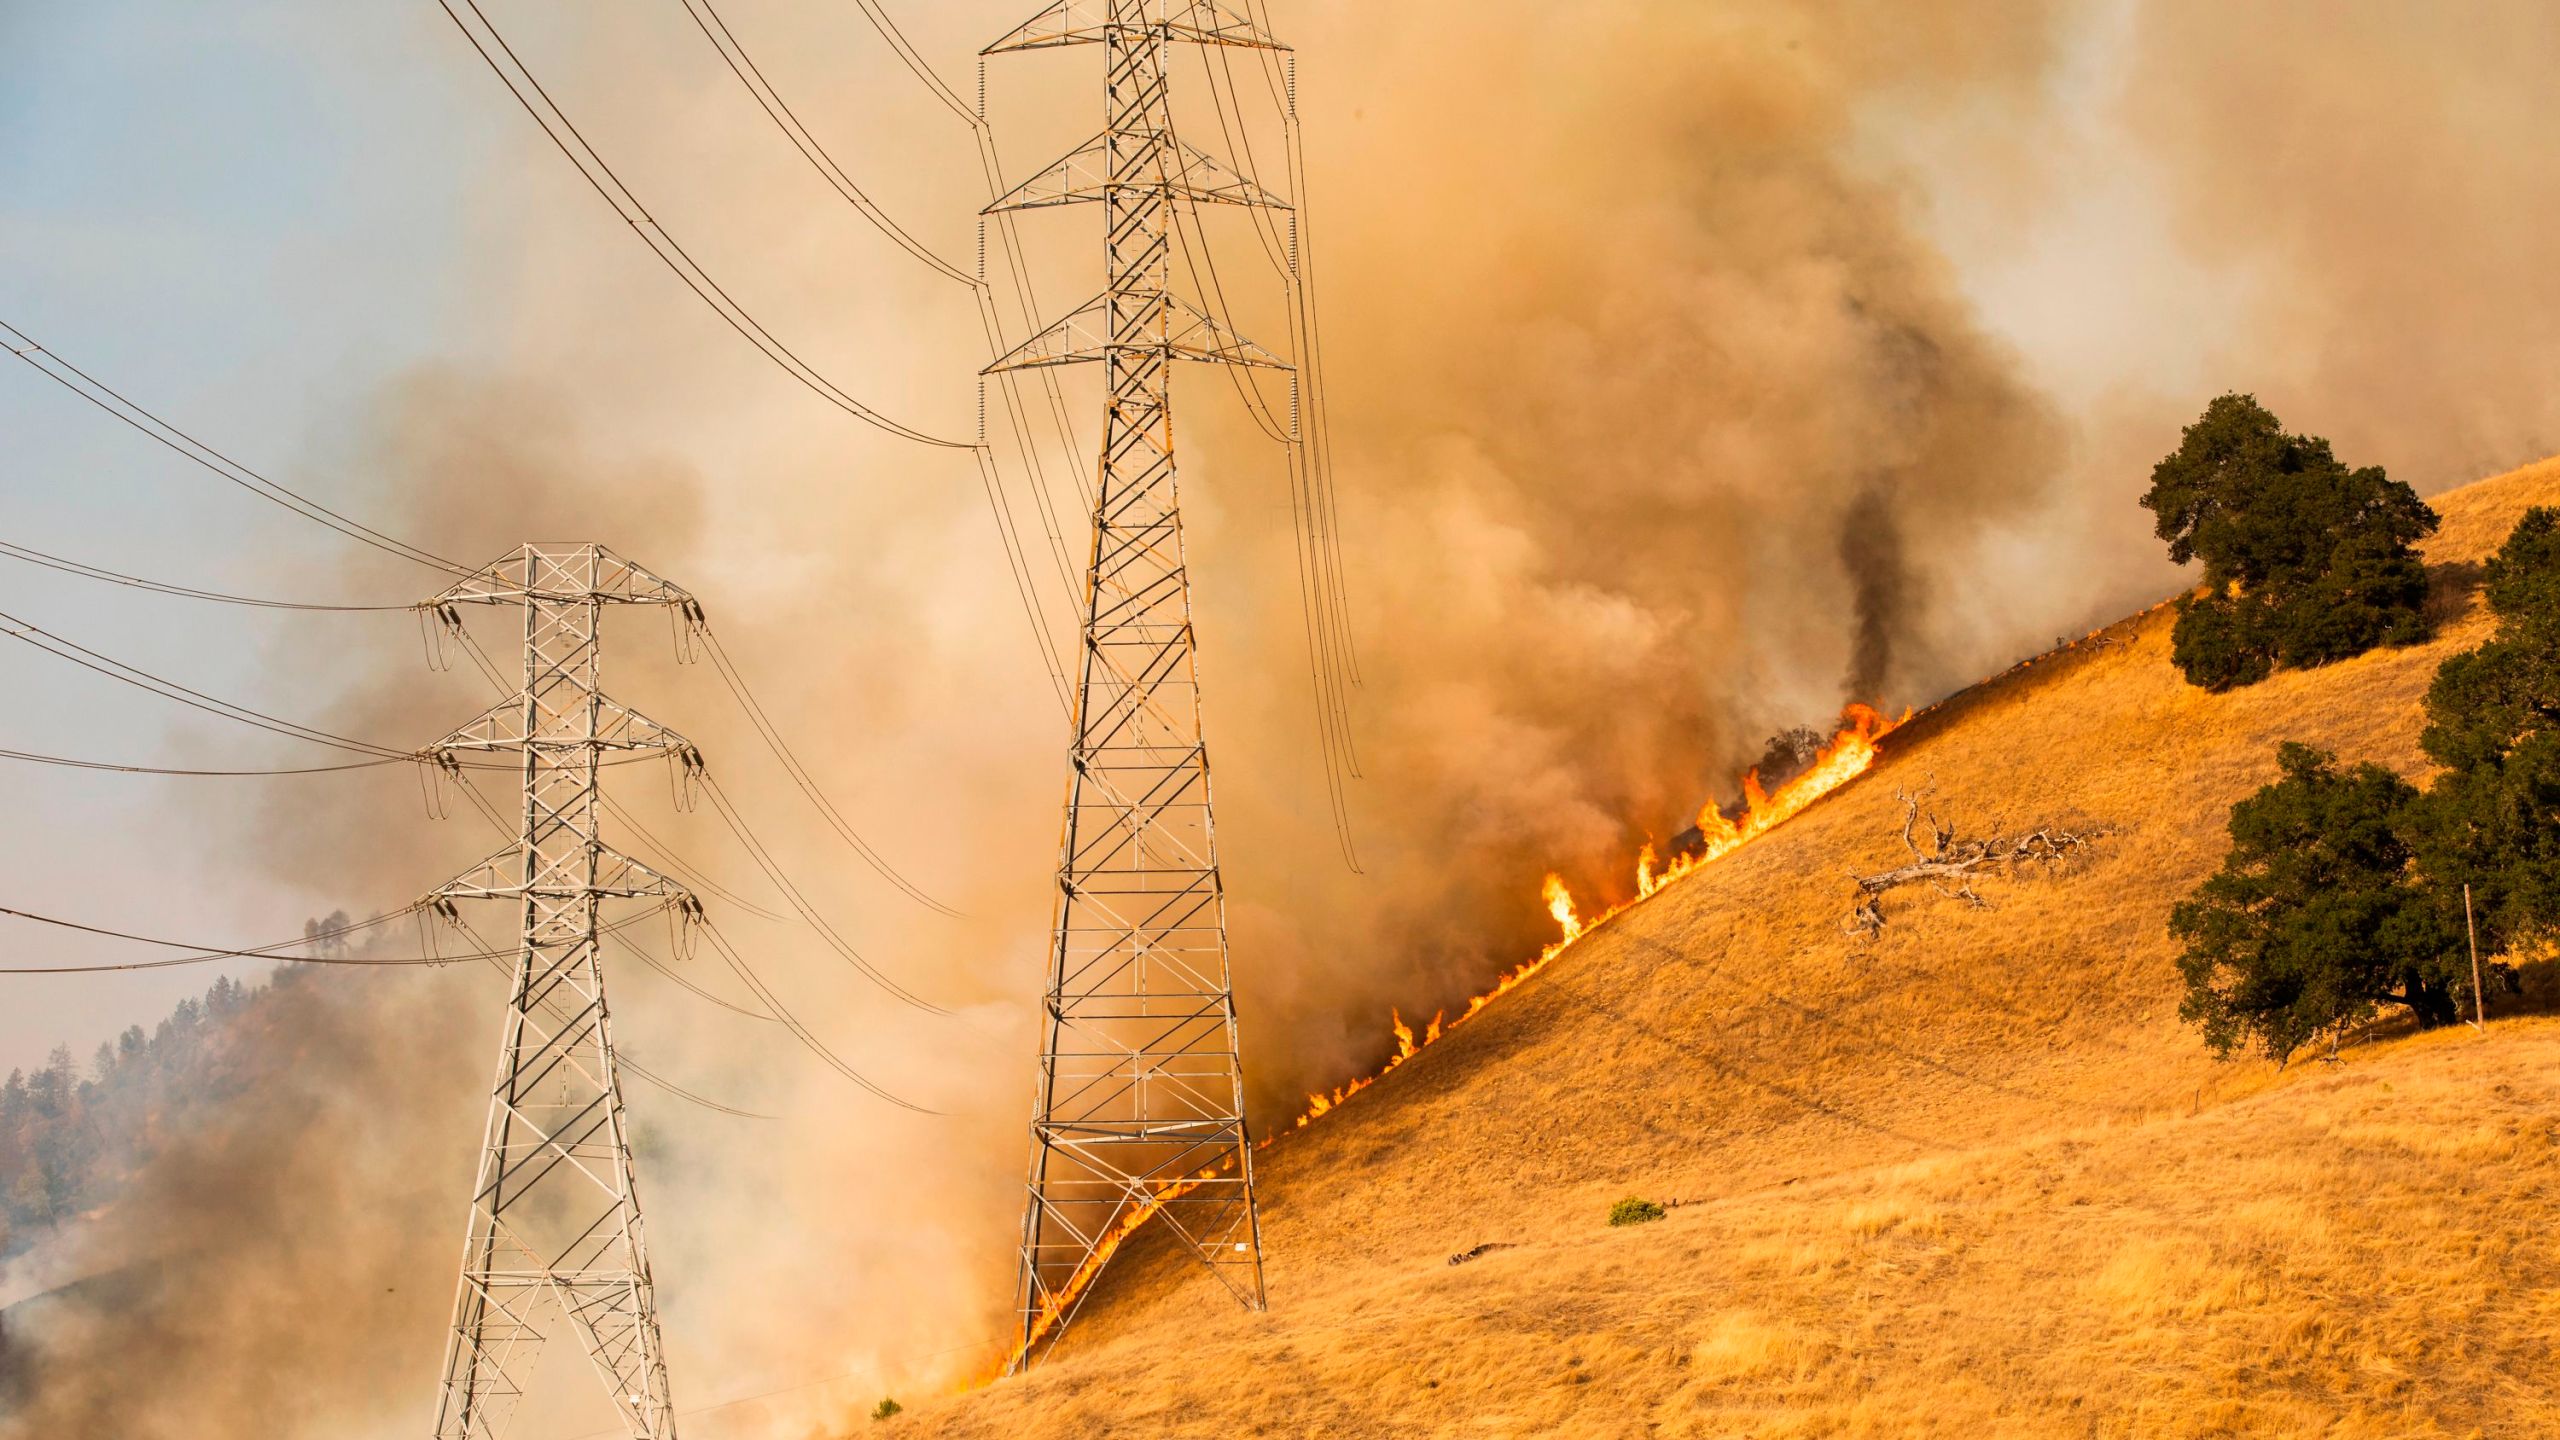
x=1971 y=1179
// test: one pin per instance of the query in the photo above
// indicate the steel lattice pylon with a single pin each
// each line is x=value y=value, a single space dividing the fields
x=553 y=1212
x=1141 y=1089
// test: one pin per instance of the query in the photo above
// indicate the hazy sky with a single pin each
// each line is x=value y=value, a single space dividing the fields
x=254 y=216
x=244 y=216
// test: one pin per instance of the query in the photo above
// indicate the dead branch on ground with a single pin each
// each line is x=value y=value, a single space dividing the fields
x=1949 y=864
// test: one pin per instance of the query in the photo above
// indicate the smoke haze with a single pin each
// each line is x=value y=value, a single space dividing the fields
x=1667 y=417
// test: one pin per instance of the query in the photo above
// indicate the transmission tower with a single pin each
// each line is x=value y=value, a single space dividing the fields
x=554 y=1213
x=1141 y=1087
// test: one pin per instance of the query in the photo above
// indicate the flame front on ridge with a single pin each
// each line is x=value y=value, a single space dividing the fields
x=1850 y=751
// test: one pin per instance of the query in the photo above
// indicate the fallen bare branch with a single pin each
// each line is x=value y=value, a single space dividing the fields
x=1949 y=864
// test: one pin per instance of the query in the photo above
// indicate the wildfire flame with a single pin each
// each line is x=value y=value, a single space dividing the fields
x=1850 y=751
x=1560 y=905
x=1061 y=1300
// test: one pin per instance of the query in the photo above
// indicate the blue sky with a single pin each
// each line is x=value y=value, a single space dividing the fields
x=246 y=241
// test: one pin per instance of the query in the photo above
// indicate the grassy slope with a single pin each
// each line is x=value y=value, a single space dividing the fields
x=1973 y=1180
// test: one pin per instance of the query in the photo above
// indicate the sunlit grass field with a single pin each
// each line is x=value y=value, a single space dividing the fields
x=1971 y=1178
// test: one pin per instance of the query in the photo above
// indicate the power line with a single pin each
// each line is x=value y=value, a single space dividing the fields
x=800 y=776
x=733 y=53
x=991 y=320
x=638 y=1071
x=30 y=757
x=202 y=954
x=162 y=587
x=1297 y=264
x=716 y=30
x=773 y=871
x=1280 y=78
x=684 y=869
x=915 y=62
x=52 y=366
x=64 y=649
x=669 y=971
x=113 y=669
x=565 y=136
x=764 y=994
x=1325 y=670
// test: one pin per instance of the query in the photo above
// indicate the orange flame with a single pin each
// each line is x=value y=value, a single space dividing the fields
x=1851 y=750
x=1560 y=905
x=1062 y=1299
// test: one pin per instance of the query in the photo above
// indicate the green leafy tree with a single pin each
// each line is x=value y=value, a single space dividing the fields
x=2315 y=918
x=2492 y=818
x=2305 y=560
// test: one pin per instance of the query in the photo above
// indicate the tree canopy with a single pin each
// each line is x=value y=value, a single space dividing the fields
x=2305 y=560
x=2314 y=919
x=2492 y=818
x=2343 y=890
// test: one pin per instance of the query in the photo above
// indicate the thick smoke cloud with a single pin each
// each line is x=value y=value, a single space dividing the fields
x=1662 y=426
x=2366 y=170
x=233 y=1285
x=1659 y=420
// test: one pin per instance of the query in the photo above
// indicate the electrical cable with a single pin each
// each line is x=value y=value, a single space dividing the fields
x=207 y=953
x=623 y=1059
x=914 y=61
x=800 y=903
x=694 y=873
x=628 y=205
x=772 y=737
x=743 y=66
x=93 y=572
x=1280 y=79
x=89 y=388
x=591 y=166
x=1325 y=672
x=669 y=971
x=716 y=30
x=61 y=648
x=800 y=1032
x=30 y=757
x=638 y=1071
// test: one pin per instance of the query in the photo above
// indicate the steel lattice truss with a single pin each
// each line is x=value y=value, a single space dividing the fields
x=1141 y=1090
x=554 y=1216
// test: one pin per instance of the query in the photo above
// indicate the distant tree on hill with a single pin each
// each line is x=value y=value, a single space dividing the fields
x=69 y=1142
x=2492 y=818
x=2305 y=561
x=2316 y=918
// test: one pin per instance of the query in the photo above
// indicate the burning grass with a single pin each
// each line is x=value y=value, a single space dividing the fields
x=1974 y=1178
x=1844 y=758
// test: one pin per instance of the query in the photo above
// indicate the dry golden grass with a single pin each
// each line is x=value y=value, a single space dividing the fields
x=1974 y=1179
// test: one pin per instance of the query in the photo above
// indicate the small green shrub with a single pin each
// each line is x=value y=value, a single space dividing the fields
x=1633 y=1211
x=885 y=1409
